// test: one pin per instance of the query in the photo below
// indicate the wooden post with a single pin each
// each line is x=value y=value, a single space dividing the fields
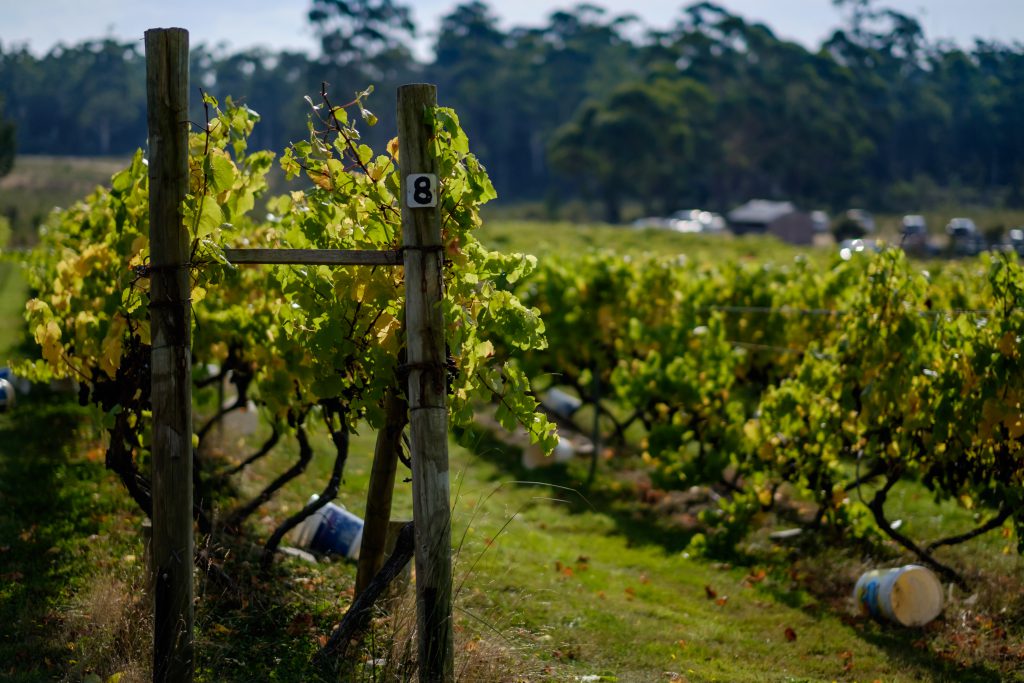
x=169 y=311
x=381 y=490
x=427 y=391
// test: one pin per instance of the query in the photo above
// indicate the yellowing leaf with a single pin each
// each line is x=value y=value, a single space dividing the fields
x=48 y=337
x=110 y=358
x=1008 y=345
x=485 y=349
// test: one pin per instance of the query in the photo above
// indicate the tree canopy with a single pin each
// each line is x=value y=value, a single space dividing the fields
x=6 y=143
x=712 y=111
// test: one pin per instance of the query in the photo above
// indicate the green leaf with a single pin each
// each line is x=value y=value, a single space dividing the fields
x=221 y=172
x=121 y=181
x=210 y=218
x=365 y=154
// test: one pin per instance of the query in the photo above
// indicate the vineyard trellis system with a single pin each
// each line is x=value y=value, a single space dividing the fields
x=422 y=256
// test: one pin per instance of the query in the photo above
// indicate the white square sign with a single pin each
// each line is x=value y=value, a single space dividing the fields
x=420 y=190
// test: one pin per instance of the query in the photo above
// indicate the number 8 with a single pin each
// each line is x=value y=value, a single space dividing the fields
x=421 y=191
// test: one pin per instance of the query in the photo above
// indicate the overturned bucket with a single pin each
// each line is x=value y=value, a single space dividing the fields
x=909 y=595
x=6 y=395
x=332 y=530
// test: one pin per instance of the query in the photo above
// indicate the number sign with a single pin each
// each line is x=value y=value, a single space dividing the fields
x=421 y=190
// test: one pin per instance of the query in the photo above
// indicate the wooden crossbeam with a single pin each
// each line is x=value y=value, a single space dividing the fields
x=315 y=257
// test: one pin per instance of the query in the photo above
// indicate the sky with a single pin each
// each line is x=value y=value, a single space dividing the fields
x=280 y=24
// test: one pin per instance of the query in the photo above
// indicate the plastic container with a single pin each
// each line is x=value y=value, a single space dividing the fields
x=564 y=451
x=533 y=457
x=560 y=403
x=242 y=421
x=6 y=395
x=332 y=530
x=909 y=595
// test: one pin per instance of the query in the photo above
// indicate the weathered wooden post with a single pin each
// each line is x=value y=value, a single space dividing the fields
x=167 y=103
x=427 y=390
x=381 y=490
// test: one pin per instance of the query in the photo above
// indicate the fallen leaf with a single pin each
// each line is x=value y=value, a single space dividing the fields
x=756 y=576
x=300 y=623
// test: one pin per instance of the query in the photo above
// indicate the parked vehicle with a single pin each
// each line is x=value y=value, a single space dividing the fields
x=1015 y=241
x=697 y=220
x=821 y=221
x=690 y=220
x=914 y=224
x=862 y=218
x=914 y=238
x=964 y=237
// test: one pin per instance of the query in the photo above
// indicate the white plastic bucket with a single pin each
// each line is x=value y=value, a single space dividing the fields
x=241 y=421
x=564 y=451
x=6 y=395
x=332 y=530
x=560 y=403
x=909 y=595
x=533 y=457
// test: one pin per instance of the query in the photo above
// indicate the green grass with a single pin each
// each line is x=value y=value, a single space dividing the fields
x=557 y=588
x=580 y=587
x=13 y=294
x=551 y=584
x=63 y=522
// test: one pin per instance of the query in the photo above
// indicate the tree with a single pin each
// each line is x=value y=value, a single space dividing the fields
x=639 y=141
x=6 y=143
x=371 y=35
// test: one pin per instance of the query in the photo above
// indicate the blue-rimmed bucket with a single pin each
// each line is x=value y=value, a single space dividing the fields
x=332 y=530
x=6 y=395
x=909 y=595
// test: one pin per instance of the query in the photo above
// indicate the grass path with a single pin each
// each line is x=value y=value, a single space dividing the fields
x=561 y=590
x=581 y=591
x=13 y=293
